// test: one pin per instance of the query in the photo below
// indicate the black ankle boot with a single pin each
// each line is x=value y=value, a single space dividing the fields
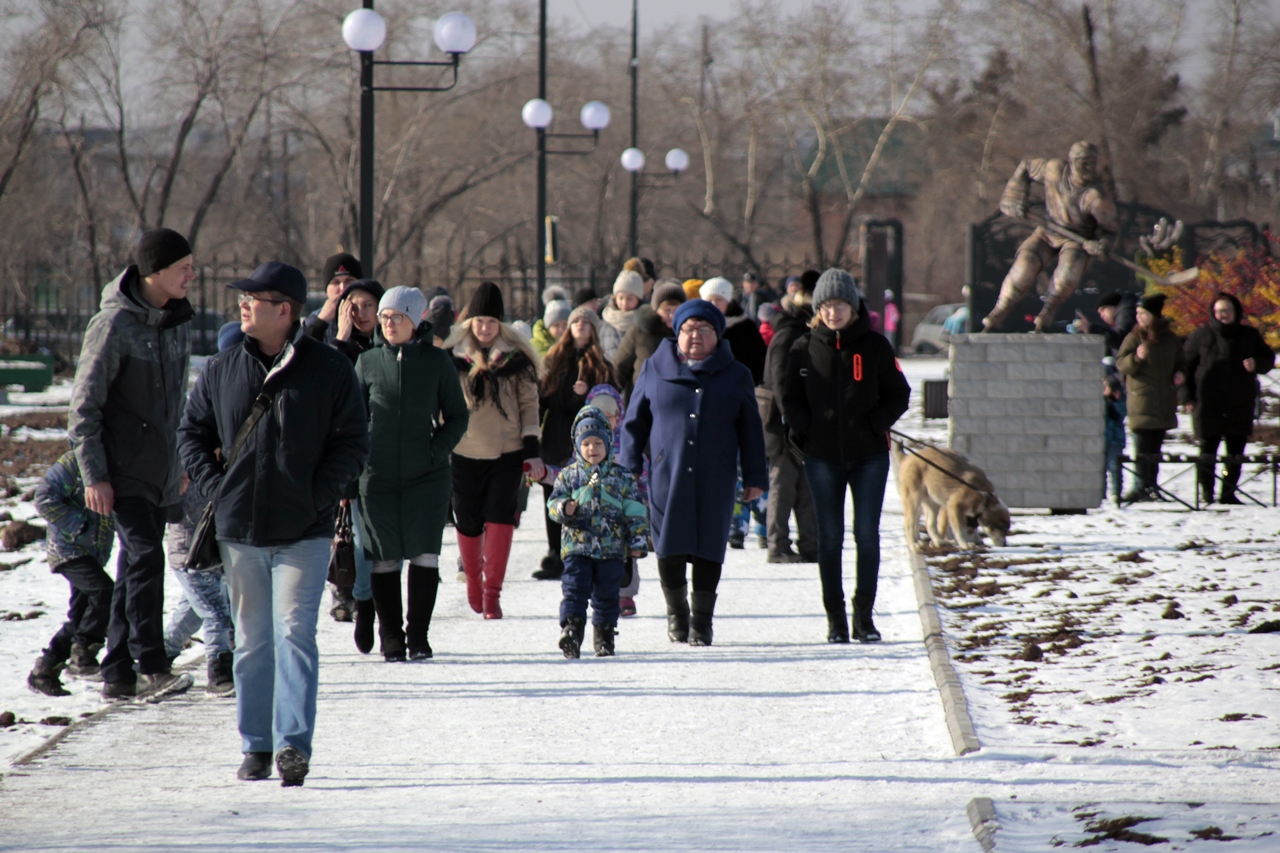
x=837 y=626
x=677 y=613
x=864 y=629
x=571 y=636
x=424 y=583
x=387 y=603
x=702 y=606
x=602 y=636
x=364 y=625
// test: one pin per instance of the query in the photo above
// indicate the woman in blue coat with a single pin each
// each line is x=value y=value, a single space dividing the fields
x=694 y=410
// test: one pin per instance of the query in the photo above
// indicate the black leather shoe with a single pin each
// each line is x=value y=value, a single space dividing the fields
x=255 y=767
x=292 y=766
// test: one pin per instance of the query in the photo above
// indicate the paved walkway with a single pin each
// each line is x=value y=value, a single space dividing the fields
x=769 y=740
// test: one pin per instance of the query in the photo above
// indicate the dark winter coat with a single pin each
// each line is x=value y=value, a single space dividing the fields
x=557 y=410
x=1152 y=397
x=788 y=326
x=1224 y=392
x=697 y=423
x=844 y=391
x=744 y=339
x=417 y=414
x=640 y=342
x=299 y=459
x=129 y=387
x=75 y=531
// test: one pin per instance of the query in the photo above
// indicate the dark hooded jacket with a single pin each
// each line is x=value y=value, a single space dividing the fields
x=299 y=459
x=640 y=342
x=844 y=391
x=1224 y=392
x=745 y=340
x=1126 y=318
x=417 y=415
x=789 y=325
x=1152 y=396
x=127 y=399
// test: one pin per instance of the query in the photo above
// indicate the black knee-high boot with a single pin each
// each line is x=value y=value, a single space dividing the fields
x=702 y=606
x=424 y=583
x=387 y=602
x=677 y=613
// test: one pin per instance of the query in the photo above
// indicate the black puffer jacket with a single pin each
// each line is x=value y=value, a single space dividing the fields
x=789 y=326
x=1223 y=391
x=1126 y=318
x=300 y=457
x=744 y=339
x=844 y=390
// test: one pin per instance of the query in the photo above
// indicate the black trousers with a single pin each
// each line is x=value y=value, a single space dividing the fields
x=136 y=631
x=1146 y=455
x=553 y=528
x=705 y=574
x=89 y=610
x=1231 y=470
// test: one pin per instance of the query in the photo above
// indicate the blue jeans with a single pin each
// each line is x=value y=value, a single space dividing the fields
x=1113 y=469
x=275 y=600
x=363 y=589
x=586 y=577
x=865 y=479
x=204 y=603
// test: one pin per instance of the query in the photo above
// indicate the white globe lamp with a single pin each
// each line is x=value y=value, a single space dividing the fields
x=364 y=30
x=595 y=116
x=677 y=160
x=455 y=33
x=633 y=159
x=537 y=113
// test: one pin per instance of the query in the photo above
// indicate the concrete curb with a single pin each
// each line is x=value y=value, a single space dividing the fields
x=982 y=817
x=956 y=708
x=84 y=722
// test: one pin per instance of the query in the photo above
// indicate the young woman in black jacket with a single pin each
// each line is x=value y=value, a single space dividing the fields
x=844 y=389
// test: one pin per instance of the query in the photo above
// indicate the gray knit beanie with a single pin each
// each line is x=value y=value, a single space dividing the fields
x=836 y=284
x=409 y=301
x=557 y=311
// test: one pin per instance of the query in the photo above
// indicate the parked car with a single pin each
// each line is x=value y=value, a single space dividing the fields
x=928 y=337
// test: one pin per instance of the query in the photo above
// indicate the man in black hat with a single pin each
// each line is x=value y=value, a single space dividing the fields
x=275 y=504
x=1119 y=313
x=338 y=271
x=125 y=407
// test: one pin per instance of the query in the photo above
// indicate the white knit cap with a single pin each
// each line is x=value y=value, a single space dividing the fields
x=718 y=286
x=409 y=301
x=629 y=282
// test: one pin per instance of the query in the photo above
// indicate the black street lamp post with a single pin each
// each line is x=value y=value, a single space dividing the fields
x=364 y=31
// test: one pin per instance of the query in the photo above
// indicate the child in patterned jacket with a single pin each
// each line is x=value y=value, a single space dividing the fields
x=598 y=502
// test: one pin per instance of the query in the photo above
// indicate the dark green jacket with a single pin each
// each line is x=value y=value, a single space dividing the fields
x=1153 y=398
x=417 y=413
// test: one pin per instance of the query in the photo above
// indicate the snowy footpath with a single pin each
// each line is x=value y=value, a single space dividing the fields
x=769 y=740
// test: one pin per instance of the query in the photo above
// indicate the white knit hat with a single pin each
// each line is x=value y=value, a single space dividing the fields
x=629 y=282
x=718 y=286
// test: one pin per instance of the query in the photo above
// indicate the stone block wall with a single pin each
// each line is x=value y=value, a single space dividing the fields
x=1028 y=410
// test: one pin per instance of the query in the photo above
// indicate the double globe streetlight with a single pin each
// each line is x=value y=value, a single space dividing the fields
x=364 y=31
x=633 y=159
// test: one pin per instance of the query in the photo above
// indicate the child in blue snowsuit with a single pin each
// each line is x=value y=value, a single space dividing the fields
x=1116 y=411
x=598 y=502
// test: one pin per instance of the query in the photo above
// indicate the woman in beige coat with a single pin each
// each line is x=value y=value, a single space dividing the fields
x=499 y=372
x=1150 y=358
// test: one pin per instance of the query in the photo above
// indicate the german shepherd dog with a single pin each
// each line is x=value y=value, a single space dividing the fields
x=948 y=504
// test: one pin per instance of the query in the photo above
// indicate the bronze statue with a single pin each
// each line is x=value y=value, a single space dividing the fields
x=1081 y=224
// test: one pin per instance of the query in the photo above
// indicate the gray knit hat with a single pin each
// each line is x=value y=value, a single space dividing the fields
x=409 y=301
x=583 y=312
x=836 y=284
x=557 y=311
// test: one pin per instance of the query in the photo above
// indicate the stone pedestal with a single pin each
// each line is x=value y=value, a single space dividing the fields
x=1028 y=409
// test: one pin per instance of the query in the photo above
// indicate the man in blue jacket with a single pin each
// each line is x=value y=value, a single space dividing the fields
x=274 y=504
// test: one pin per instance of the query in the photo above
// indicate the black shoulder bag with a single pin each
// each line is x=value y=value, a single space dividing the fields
x=203 y=553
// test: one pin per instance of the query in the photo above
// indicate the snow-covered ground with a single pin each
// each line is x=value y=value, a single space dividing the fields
x=769 y=740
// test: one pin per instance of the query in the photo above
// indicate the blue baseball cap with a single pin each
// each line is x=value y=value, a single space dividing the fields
x=276 y=276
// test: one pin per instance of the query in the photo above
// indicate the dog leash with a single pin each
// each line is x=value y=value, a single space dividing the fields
x=926 y=460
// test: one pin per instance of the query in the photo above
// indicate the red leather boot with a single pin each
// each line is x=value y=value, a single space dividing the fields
x=471 y=548
x=497 y=548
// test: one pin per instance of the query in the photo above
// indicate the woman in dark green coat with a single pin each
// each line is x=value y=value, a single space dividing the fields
x=417 y=413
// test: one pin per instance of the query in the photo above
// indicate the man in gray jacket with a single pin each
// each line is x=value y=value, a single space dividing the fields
x=125 y=408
